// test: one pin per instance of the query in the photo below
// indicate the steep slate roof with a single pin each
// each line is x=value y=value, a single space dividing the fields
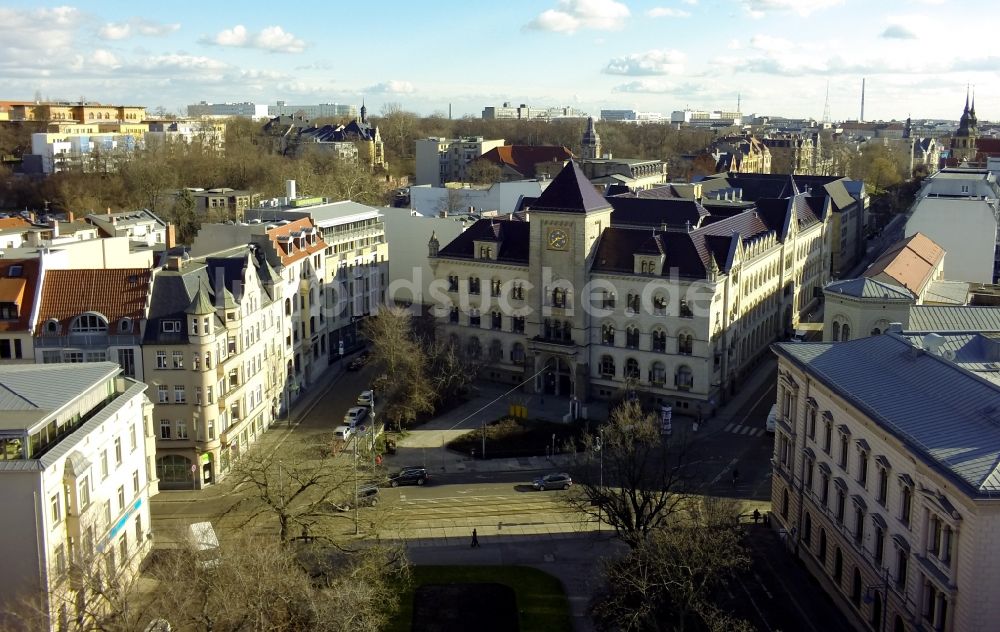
x=953 y=319
x=570 y=192
x=947 y=416
x=618 y=246
x=869 y=288
x=523 y=158
x=909 y=262
x=511 y=236
x=115 y=293
x=19 y=290
x=656 y=212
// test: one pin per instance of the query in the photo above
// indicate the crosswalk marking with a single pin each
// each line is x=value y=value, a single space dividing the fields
x=729 y=427
x=741 y=429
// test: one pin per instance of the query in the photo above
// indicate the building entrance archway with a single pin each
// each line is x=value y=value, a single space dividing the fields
x=556 y=378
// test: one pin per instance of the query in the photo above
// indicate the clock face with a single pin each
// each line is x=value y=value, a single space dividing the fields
x=558 y=239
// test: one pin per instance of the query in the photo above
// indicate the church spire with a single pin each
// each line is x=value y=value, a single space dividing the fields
x=364 y=111
x=591 y=142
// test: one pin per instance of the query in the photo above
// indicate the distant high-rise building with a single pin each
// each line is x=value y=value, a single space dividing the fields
x=255 y=111
x=320 y=110
x=524 y=112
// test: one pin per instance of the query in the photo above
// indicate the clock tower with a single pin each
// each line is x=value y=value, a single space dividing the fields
x=566 y=222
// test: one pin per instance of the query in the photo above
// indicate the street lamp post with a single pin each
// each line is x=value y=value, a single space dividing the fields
x=484 y=439
x=600 y=503
x=356 y=523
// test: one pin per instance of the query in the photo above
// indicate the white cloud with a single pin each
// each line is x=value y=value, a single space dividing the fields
x=391 y=87
x=272 y=39
x=573 y=15
x=770 y=44
x=691 y=2
x=135 y=26
x=898 y=31
x=645 y=86
x=651 y=62
x=667 y=12
x=759 y=8
x=39 y=29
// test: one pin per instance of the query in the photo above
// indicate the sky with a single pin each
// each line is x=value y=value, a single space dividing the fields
x=774 y=57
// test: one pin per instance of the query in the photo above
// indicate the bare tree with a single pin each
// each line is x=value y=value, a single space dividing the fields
x=671 y=579
x=405 y=389
x=295 y=491
x=643 y=479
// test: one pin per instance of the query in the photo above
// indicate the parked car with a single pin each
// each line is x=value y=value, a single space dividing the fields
x=772 y=419
x=355 y=415
x=562 y=480
x=365 y=398
x=356 y=364
x=414 y=475
x=367 y=497
x=342 y=432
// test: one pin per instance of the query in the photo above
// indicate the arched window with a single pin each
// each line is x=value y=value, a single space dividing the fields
x=559 y=297
x=496 y=350
x=632 y=337
x=607 y=366
x=608 y=334
x=659 y=340
x=52 y=326
x=88 y=323
x=876 y=331
x=807 y=529
x=822 y=546
x=684 y=379
x=473 y=285
x=784 y=503
x=473 y=348
x=685 y=343
x=838 y=566
x=288 y=307
x=173 y=468
x=898 y=625
x=845 y=332
x=632 y=368
x=836 y=331
x=125 y=325
x=517 y=353
x=856 y=588
x=658 y=374
x=659 y=305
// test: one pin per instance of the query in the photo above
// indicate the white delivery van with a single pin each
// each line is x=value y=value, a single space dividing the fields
x=205 y=544
x=772 y=419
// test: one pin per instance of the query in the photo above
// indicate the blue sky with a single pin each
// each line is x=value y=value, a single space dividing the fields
x=779 y=55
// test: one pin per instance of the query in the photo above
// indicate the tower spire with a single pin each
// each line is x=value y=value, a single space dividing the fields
x=826 y=104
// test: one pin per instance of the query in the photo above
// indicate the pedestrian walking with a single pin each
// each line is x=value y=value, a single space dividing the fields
x=475 y=539
x=756 y=516
x=736 y=476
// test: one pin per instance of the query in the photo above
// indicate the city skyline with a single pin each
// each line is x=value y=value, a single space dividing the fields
x=775 y=57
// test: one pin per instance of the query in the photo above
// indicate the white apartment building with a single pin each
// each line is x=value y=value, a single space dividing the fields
x=255 y=111
x=76 y=475
x=886 y=482
x=525 y=112
x=319 y=110
x=59 y=152
x=702 y=118
x=959 y=209
x=440 y=160
x=355 y=263
x=586 y=298
x=142 y=228
x=631 y=116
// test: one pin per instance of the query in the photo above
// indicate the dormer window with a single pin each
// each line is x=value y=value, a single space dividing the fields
x=88 y=324
x=52 y=326
x=125 y=325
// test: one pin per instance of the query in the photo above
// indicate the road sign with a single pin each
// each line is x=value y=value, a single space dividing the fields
x=194 y=468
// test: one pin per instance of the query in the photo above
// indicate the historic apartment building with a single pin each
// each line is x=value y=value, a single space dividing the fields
x=885 y=479
x=219 y=352
x=586 y=298
x=76 y=475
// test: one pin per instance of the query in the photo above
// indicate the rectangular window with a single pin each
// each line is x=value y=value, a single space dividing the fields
x=161 y=359
x=138 y=530
x=211 y=429
x=104 y=464
x=180 y=396
x=60 y=559
x=135 y=483
x=164 y=428
x=123 y=549
x=118 y=451
x=126 y=358
x=883 y=486
x=197 y=395
x=121 y=498
x=84 y=493
x=107 y=513
x=163 y=394
x=178 y=359
x=131 y=438
x=182 y=432
x=56 y=506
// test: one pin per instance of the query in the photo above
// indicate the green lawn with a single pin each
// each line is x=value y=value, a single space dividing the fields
x=540 y=597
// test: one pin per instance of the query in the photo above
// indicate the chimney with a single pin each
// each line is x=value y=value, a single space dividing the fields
x=109 y=210
x=175 y=263
x=54 y=225
x=290 y=189
x=171 y=236
x=70 y=217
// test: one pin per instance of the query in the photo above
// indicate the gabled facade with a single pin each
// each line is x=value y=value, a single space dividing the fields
x=586 y=298
x=218 y=353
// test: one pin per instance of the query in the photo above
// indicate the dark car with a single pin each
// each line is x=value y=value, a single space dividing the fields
x=409 y=476
x=367 y=497
x=561 y=480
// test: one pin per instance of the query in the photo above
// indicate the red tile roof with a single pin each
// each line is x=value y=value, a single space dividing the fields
x=524 y=158
x=13 y=222
x=12 y=290
x=288 y=253
x=115 y=294
x=910 y=262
